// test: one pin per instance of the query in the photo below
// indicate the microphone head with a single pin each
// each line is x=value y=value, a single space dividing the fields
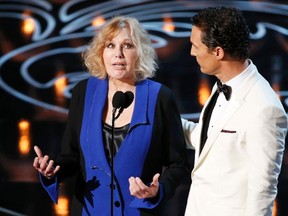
x=118 y=99
x=129 y=97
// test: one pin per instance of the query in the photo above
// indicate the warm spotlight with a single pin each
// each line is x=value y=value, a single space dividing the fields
x=204 y=91
x=275 y=208
x=98 y=21
x=24 y=143
x=59 y=87
x=168 y=24
x=62 y=208
x=28 y=25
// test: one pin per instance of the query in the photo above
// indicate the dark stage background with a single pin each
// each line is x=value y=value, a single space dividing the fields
x=40 y=47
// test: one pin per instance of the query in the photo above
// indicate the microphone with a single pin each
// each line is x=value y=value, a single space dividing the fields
x=128 y=99
x=118 y=100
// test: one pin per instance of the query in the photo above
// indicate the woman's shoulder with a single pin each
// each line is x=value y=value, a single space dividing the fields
x=82 y=84
x=159 y=85
x=164 y=92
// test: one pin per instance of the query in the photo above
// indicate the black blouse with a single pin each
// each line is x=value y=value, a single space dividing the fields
x=119 y=136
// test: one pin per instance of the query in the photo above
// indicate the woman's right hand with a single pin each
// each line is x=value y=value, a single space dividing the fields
x=44 y=165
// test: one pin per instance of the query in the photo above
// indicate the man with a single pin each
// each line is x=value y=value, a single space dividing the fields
x=238 y=163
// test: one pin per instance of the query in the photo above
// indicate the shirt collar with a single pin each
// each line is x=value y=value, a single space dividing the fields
x=235 y=82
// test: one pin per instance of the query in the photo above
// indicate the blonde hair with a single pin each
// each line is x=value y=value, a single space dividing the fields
x=146 y=56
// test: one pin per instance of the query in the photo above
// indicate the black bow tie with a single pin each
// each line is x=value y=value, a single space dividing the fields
x=227 y=90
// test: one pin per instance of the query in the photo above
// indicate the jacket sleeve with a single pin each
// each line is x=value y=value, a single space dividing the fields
x=174 y=156
x=265 y=146
x=68 y=160
x=51 y=187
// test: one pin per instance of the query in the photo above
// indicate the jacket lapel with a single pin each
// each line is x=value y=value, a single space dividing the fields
x=231 y=109
x=92 y=142
x=139 y=117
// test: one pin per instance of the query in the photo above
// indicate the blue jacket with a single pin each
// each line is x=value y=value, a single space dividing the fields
x=154 y=142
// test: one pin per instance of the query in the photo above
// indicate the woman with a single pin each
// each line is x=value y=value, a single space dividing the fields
x=148 y=134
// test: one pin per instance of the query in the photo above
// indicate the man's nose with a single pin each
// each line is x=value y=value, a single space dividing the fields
x=192 y=52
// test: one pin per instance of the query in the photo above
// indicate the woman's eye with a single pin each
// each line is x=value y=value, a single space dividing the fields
x=128 y=46
x=110 y=45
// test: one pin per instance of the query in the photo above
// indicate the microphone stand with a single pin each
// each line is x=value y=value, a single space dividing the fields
x=120 y=100
x=117 y=102
x=112 y=162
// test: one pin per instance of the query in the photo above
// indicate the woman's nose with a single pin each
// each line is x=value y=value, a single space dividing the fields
x=119 y=53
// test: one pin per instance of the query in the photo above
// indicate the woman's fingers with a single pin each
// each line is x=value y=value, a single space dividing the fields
x=43 y=164
x=140 y=184
x=38 y=152
x=49 y=168
x=57 y=168
x=36 y=162
x=155 y=181
x=133 y=186
x=140 y=190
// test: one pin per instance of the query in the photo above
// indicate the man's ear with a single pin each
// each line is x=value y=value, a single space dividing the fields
x=219 y=53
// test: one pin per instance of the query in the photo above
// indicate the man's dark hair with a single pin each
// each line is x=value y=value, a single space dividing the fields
x=226 y=28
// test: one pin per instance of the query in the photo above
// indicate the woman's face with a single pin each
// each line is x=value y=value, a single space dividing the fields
x=120 y=57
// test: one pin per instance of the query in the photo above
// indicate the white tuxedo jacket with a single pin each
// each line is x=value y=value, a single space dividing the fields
x=237 y=171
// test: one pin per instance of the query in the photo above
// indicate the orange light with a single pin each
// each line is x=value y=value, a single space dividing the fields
x=168 y=25
x=204 y=91
x=98 y=21
x=276 y=88
x=62 y=208
x=28 y=24
x=275 y=208
x=24 y=143
x=59 y=86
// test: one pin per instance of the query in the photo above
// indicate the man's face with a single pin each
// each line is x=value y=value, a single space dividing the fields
x=206 y=59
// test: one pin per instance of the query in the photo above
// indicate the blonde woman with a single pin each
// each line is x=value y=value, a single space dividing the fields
x=148 y=134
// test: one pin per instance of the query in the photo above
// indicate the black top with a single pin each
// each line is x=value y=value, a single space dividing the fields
x=119 y=136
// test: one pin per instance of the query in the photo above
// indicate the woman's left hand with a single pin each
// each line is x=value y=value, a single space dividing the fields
x=140 y=190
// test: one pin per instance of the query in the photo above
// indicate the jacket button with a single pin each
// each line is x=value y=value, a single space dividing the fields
x=112 y=186
x=117 y=204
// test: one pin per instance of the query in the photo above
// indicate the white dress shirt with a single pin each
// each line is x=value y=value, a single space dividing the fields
x=222 y=103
